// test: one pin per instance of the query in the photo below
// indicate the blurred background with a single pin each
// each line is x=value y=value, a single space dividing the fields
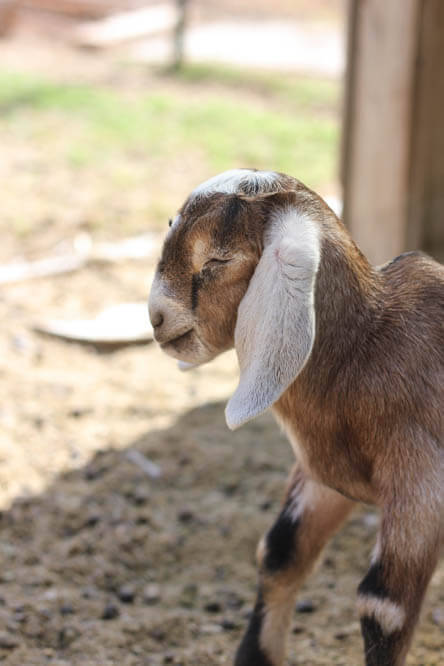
x=129 y=514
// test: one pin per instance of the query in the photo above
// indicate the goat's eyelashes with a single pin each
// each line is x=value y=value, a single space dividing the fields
x=213 y=262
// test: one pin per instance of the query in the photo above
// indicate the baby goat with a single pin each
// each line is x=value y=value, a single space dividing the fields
x=351 y=360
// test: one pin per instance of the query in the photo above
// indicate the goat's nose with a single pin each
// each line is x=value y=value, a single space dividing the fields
x=156 y=318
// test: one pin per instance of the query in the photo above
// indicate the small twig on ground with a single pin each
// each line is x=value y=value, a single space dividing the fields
x=151 y=469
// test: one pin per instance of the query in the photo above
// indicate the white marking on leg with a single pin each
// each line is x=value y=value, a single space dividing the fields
x=389 y=615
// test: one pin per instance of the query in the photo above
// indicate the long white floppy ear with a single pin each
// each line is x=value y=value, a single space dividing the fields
x=275 y=327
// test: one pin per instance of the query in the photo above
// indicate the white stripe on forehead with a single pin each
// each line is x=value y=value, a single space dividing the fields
x=235 y=180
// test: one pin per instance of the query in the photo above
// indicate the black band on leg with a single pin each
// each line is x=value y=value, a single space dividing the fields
x=280 y=543
x=373 y=583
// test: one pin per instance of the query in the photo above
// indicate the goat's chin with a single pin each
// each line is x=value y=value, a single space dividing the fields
x=189 y=350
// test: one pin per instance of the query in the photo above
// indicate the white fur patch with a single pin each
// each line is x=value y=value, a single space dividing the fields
x=376 y=552
x=275 y=327
x=304 y=496
x=297 y=500
x=159 y=294
x=229 y=182
x=390 y=616
x=296 y=237
x=199 y=254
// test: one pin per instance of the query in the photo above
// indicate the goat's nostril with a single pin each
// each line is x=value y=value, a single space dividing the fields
x=157 y=320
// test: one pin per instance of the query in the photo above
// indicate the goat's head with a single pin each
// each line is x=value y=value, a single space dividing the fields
x=238 y=267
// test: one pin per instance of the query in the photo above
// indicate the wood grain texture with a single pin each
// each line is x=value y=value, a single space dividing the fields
x=379 y=103
x=425 y=226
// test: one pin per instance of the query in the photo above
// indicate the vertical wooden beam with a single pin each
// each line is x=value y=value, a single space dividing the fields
x=425 y=226
x=8 y=15
x=376 y=151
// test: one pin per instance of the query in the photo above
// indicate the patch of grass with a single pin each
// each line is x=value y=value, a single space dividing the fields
x=299 y=91
x=138 y=152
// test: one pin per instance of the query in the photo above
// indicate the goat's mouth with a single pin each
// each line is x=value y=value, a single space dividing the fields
x=177 y=341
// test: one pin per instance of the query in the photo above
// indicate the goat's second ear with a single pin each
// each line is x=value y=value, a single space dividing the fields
x=275 y=327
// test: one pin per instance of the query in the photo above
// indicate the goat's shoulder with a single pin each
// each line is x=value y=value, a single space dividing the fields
x=414 y=285
x=412 y=271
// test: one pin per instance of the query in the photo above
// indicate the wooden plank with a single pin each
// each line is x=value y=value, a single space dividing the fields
x=379 y=96
x=125 y=26
x=348 y=106
x=426 y=191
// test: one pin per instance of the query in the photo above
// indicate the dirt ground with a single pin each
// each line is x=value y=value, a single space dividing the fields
x=101 y=564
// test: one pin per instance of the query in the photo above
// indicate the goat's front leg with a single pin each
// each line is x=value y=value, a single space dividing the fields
x=390 y=595
x=311 y=513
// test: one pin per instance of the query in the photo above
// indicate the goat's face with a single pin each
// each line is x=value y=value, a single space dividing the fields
x=208 y=258
x=238 y=267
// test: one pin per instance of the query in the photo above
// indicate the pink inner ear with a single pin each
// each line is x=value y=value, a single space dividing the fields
x=276 y=254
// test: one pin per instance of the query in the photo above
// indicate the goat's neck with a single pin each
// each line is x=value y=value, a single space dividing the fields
x=348 y=305
x=348 y=300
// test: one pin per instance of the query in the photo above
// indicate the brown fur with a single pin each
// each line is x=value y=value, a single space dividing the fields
x=220 y=291
x=365 y=415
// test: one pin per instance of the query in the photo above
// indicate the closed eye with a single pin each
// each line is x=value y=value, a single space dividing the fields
x=211 y=263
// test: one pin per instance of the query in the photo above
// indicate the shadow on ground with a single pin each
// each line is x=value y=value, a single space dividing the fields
x=109 y=566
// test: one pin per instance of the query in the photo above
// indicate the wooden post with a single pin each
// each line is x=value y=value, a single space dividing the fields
x=393 y=140
x=425 y=223
x=8 y=15
x=376 y=147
